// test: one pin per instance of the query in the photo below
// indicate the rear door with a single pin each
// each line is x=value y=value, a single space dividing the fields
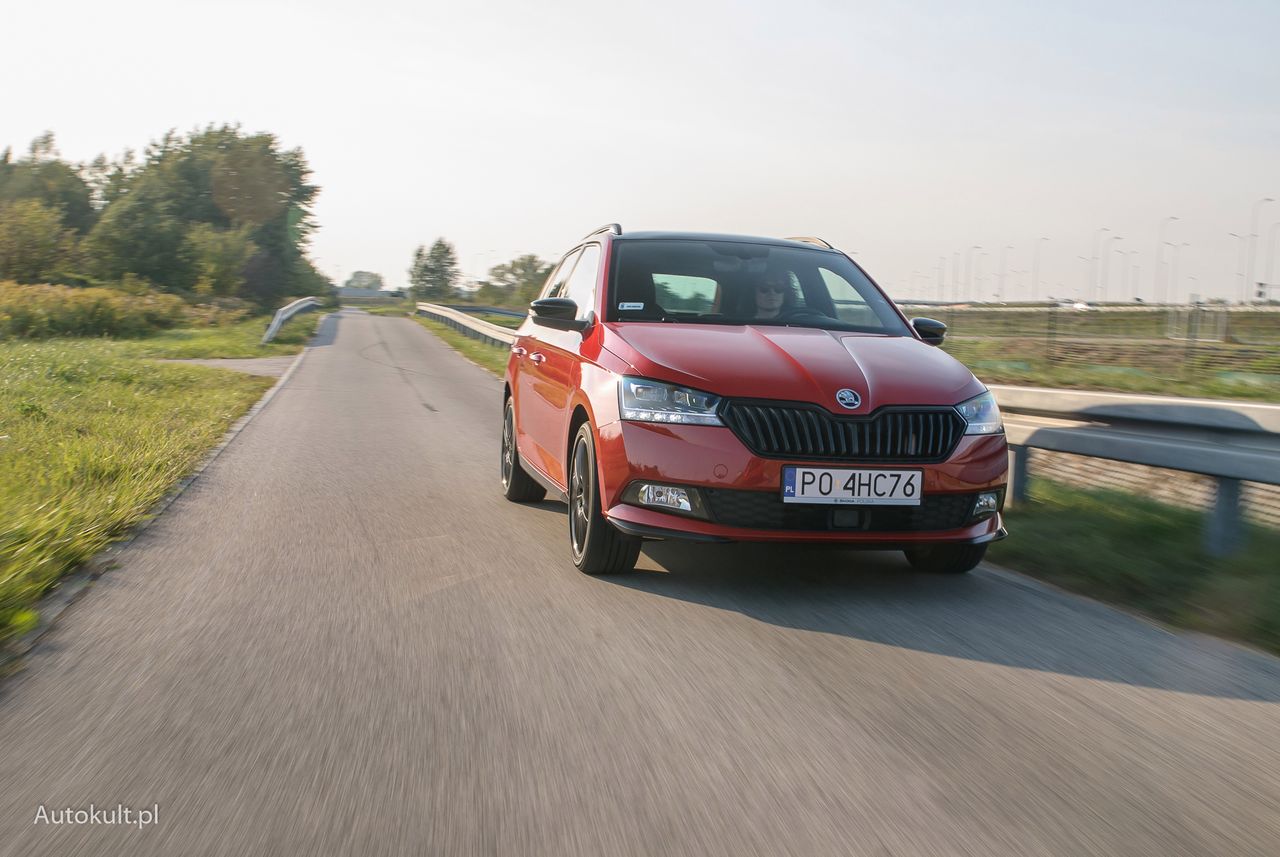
x=536 y=421
x=561 y=366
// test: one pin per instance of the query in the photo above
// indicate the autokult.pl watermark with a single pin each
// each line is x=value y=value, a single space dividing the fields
x=119 y=814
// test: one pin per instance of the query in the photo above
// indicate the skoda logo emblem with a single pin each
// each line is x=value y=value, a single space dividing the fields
x=848 y=399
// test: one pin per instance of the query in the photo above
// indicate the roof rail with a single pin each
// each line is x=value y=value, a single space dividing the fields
x=809 y=239
x=608 y=227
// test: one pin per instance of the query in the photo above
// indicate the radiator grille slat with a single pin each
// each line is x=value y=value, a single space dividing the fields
x=806 y=431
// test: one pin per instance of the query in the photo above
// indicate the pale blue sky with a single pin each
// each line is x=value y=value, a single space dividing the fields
x=905 y=132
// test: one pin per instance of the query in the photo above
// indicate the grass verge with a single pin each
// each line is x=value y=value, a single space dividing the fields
x=490 y=357
x=1145 y=555
x=90 y=438
x=234 y=340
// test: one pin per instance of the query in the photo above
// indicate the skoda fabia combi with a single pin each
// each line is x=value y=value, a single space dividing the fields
x=726 y=388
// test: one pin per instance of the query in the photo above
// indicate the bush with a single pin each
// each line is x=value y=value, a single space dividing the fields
x=40 y=312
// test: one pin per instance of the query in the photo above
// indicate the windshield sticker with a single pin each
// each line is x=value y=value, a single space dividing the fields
x=631 y=305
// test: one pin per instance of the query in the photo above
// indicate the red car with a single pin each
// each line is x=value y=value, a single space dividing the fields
x=716 y=388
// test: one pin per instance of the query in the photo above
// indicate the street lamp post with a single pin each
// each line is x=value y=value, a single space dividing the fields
x=1106 y=258
x=1155 y=282
x=1240 y=260
x=1004 y=269
x=1093 y=264
x=1173 y=267
x=1035 y=270
x=1271 y=253
x=968 y=267
x=1089 y=285
x=1253 y=239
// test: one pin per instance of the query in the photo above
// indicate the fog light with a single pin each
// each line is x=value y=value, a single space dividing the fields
x=988 y=504
x=664 y=496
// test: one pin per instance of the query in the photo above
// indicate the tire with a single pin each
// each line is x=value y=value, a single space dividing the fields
x=517 y=485
x=946 y=559
x=597 y=546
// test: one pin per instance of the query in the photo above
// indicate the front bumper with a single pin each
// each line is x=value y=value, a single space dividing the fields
x=711 y=457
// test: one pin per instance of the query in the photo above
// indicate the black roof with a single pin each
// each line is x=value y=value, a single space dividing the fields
x=713 y=236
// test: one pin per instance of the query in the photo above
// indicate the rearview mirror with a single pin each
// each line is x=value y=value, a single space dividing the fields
x=558 y=313
x=930 y=330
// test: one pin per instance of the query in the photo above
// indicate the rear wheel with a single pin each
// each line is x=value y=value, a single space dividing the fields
x=598 y=547
x=517 y=486
x=946 y=559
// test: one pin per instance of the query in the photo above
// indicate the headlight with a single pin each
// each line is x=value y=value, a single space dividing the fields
x=655 y=402
x=982 y=414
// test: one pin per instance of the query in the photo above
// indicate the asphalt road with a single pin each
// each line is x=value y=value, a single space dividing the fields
x=341 y=640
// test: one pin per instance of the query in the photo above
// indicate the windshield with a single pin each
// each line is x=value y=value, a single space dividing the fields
x=732 y=282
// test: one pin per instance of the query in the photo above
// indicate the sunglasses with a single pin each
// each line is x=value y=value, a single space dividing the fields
x=771 y=287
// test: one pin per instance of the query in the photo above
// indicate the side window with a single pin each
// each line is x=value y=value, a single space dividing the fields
x=581 y=285
x=850 y=305
x=555 y=283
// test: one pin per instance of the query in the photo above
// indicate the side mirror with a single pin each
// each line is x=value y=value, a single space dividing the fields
x=931 y=331
x=558 y=313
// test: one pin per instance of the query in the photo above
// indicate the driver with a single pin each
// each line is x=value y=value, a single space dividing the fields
x=773 y=295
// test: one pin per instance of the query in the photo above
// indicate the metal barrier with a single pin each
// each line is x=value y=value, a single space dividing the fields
x=494 y=334
x=1228 y=441
x=287 y=312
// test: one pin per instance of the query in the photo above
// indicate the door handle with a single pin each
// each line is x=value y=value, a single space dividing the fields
x=518 y=351
x=538 y=357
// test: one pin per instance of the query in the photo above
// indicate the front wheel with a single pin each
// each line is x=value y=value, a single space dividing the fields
x=598 y=547
x=946 y=559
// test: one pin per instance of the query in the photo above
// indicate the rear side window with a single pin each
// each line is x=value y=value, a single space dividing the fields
x=581 y=285
x=555 y=283
x=849 y=305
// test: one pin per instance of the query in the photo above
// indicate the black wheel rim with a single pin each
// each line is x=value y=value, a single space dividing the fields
x=579 y=498
x=508 y=449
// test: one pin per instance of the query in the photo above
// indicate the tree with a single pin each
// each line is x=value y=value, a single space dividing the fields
x=434 y=272
x=242 y=188
x=517 y=282
x=42 y=177
x=34 y=245
x=219 y=257
x=364 y=280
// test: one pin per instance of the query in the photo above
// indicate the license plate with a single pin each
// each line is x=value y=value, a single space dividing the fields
x=854 y=487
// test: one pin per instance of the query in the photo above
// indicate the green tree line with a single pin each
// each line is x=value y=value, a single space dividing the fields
x=434 y=276
x=217 y=213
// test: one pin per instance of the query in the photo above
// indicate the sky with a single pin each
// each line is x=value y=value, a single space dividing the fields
x=906 y=133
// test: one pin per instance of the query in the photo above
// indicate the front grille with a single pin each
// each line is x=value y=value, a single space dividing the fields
x=796 y=430
x=764 y=510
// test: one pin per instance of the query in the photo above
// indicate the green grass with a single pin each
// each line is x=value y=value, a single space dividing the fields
x=490 y=357
x=235 y=340
x=1145 y=555
x=1016 y=361
x=91 y=437
x=500 y=320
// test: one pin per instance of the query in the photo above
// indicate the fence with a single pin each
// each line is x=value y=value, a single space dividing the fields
x=1177 y=344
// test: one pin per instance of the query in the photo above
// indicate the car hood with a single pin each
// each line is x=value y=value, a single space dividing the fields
x=794 y=363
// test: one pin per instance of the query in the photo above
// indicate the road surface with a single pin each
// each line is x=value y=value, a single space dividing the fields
x=341 y=640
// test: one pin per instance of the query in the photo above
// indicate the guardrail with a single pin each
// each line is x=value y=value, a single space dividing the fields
x=1231 y=442
x=287 y=312
x=494 y=334
x=492 y=310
